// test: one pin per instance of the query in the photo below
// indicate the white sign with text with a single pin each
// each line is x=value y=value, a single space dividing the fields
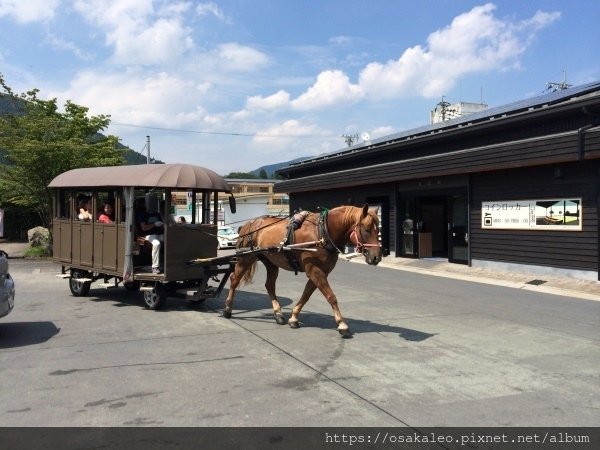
x=550 y=214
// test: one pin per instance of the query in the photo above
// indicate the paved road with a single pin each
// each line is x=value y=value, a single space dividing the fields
x=426 y=351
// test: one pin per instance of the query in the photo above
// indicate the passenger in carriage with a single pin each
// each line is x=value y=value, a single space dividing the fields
x=106 y=216
x=84 y=209
x=152 y=228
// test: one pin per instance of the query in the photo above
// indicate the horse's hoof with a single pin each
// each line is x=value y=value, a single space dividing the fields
x=345 y=333
x=280 y=318
x=226 y=314
x=293 y=324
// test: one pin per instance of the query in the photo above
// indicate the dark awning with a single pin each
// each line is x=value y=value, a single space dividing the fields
x=176 y=176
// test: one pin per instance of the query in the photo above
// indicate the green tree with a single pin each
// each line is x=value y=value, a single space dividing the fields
x=39 y=142
x=240 y=175
x=263 y=174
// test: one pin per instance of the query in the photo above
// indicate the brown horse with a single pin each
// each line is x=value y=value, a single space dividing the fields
x=317 y=242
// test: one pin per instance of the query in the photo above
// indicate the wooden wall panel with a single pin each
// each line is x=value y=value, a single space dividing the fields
x=564 y=249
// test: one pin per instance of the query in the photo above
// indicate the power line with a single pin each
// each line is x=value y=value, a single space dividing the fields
x=222 y=133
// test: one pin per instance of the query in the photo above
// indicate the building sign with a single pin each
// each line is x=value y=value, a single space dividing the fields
x=553 y=214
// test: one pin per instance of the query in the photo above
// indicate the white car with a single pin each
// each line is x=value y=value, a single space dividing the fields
x=7 y=286
x=227 y=237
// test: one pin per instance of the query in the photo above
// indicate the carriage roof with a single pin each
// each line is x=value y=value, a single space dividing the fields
x=181 y=176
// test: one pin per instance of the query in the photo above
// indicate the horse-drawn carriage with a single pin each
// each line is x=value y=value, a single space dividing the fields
x=115 y=253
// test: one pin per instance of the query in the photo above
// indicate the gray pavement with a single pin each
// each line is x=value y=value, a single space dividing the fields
x=427 y=351
x=548 y=283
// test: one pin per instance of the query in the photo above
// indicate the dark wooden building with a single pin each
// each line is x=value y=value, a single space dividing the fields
x=515 y=186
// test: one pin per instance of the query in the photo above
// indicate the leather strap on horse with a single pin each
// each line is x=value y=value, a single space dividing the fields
x=324 y=236
x=295 y=222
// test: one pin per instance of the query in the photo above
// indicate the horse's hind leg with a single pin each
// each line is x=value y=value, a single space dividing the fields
x=241 y=267
x=309 y=288
x=272 y=273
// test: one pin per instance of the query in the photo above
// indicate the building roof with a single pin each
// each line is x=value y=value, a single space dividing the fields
x=499 y=112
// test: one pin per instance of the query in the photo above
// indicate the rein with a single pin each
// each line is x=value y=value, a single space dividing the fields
x=264 y=226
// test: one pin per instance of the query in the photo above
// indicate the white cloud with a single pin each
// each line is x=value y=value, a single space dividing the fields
x=332 y=88
x=161 y=43
x=204 y=9
x=475 y=41
x=279 y=100
x=61 y=44
x=29 y=11
x=540 y=20
x=235 y=57
x=139 y=34
x=280 y=137
x=109 y=13
x=341 y=40
x=159 y=100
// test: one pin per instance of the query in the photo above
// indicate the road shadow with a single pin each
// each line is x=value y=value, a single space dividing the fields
x=22 y=334
x=255 y=307
x=120 y=297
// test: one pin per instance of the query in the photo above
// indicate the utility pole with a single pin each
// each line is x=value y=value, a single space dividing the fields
x=350 y=139
x=554 y=86
x=147 y=149
x=444 y=108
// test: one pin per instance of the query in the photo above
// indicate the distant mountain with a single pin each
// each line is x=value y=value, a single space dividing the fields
x=10 y=105
x=272 y=168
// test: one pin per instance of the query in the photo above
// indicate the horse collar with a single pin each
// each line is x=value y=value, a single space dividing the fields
x=324 y=236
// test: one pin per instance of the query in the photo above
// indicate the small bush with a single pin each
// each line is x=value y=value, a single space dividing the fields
x=37 y=252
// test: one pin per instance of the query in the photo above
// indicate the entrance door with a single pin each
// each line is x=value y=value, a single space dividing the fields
x=433 y=231
x=458 y=229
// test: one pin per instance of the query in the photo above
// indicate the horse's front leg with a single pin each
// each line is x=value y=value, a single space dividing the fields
x=272 y=273
x=319 y=278
x=309 y=288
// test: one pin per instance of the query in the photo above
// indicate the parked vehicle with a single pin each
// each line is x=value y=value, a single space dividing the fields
x=7 y=287
x=227 y=237
x=113 y=251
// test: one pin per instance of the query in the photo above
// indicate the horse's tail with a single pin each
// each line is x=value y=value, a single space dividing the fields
x=249 y=274
x=248 y=233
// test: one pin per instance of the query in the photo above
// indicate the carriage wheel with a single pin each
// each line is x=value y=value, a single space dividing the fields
x=155 y=299
x=79 y=288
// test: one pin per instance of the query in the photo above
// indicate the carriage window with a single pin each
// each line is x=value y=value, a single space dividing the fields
x=181 y=206
x=63 y=204
x=106 y=207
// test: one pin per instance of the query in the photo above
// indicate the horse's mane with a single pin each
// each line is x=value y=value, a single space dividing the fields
x=352 y=215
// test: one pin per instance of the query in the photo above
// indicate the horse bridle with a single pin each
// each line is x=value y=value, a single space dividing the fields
x=356 y=239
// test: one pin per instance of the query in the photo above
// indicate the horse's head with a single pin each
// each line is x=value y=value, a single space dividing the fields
x=365 y=236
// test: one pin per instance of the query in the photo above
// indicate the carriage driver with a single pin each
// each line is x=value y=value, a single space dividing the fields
x=152 y=227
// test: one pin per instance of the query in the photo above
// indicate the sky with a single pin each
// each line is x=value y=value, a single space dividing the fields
x=237 y=84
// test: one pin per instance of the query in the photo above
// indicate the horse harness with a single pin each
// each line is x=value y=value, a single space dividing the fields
x=294 y=223
x=323 y=241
